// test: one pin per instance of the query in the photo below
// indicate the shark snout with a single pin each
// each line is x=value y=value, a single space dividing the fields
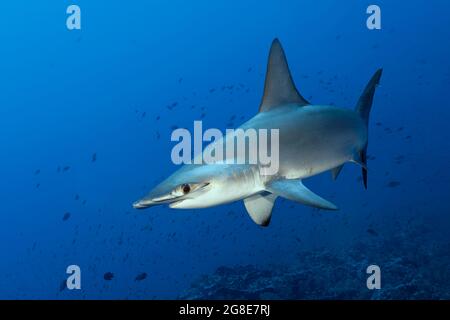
x=153 y=201
x=142 y=204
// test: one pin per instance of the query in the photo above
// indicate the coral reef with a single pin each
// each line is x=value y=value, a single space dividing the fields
x=411 y=268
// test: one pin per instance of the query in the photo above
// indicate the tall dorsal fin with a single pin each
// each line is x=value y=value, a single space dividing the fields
x=279 y=88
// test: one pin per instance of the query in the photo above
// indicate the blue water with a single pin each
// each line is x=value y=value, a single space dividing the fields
x=105 y=90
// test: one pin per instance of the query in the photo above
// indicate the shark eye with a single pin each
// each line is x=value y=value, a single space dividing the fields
x=186 y=188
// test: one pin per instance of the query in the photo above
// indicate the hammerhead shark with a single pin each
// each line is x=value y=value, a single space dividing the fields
x=312 y=139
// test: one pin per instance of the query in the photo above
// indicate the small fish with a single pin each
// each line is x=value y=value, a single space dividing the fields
x=66 y=216
x=63 y=285
x=372 y=232
x=37 y=172
x=140 y=276
x=94 y=157
x=66 y=168
x=393 y=184
x=171 y=106
x=399 y=159
x=108 y=276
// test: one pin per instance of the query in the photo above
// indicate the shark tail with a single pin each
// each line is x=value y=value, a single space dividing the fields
x=363 y=109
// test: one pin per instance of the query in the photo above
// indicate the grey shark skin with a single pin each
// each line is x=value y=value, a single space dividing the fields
x=312 y=139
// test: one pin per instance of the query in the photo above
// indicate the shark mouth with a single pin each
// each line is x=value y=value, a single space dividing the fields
x=165 y=198
x=173 y=199
x=144 y=203
x=176 y=203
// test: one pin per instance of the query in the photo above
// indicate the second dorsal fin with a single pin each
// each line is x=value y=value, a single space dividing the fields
x=279 y=88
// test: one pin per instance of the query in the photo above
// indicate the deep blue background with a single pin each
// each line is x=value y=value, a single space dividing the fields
x=65 y=95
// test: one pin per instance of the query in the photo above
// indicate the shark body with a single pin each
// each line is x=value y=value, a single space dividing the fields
x=312 y=139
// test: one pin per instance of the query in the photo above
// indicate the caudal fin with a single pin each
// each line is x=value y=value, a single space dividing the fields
x=365 y=101
x=363 y=109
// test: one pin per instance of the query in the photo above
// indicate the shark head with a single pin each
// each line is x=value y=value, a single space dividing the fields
x=201 y=186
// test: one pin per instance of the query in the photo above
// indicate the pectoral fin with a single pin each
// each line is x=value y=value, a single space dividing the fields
x=259 y=207
x=295 y=190
x=335 y=172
